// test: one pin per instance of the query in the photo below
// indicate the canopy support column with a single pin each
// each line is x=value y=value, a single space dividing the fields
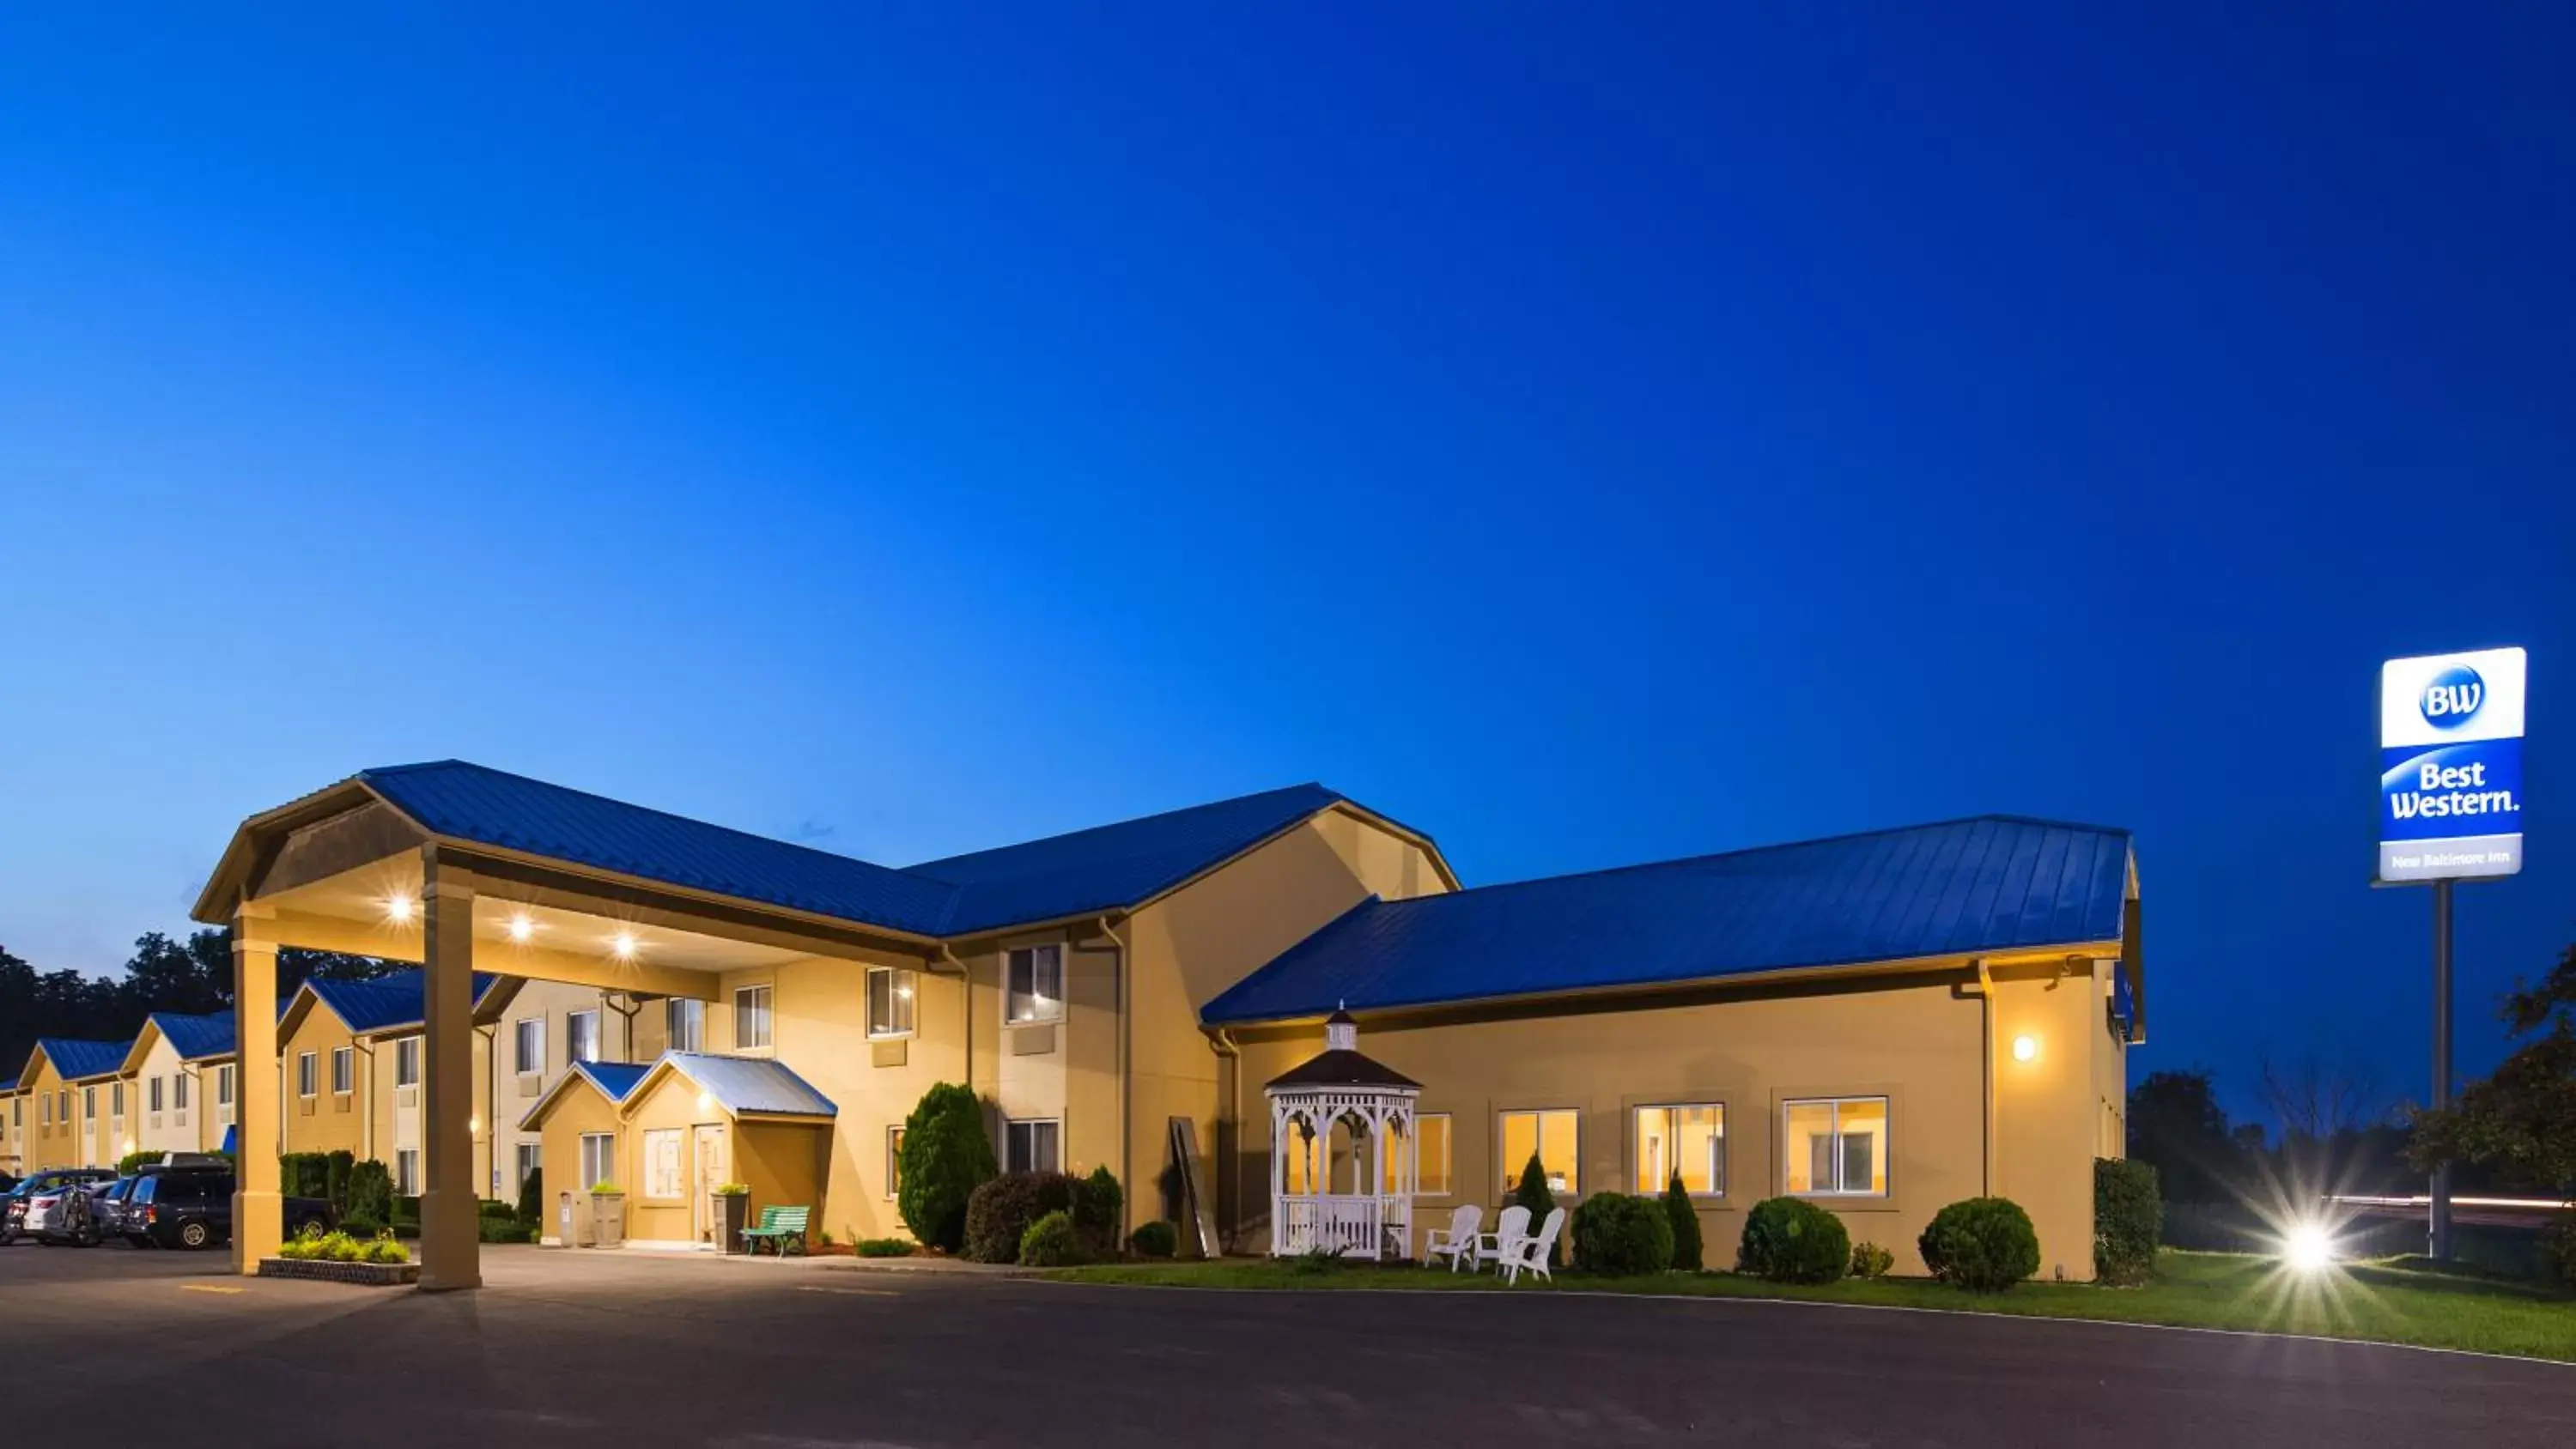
x=259 y=1214
x=450 y=1251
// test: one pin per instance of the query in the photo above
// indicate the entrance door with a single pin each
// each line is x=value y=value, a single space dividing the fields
x=714 y=1168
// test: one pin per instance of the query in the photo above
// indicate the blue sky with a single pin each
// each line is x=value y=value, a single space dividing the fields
x=1590 y=439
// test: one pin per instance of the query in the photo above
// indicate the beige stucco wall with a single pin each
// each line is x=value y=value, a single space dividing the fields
x=1920 y=1046
x=669 y=1102
x=51 y=1141
x=581 y=1109
x=173 y=1128
x=326 y=1121
x=14 y=1107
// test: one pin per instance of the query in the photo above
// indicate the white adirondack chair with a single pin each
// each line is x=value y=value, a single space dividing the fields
x=1457 y=1242
x=1508 y=1231
x=1532 y=1253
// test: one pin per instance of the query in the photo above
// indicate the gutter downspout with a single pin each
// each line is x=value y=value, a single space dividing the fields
x=1126 y=1096
x=1986 y=1066
x=491 y=1034
x=1228 y=1145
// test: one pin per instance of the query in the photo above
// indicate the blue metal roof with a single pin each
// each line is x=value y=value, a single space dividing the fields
x=752 y=1084
x=613 y=1079
x=382 y=1003
x=10 y=1085
x=1988 y=884
x=196 y=1038
x=1112 y=866
x=512 y=812
x=1104 y=868
x=74 y=1060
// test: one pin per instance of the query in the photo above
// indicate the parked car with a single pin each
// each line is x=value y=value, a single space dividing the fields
x=110 y=1203
x=193 y=1208
x=69 y=1215
x=22 y=1217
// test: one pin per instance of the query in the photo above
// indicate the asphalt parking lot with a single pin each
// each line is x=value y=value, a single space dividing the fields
x=587 y=1348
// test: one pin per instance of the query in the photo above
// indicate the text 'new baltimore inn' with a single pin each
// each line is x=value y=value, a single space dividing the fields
x=1885 y=1022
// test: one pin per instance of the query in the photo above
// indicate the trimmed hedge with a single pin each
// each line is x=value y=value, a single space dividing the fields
x=884 y=1248
x=1096 y=1212
x=1001 y=1212
x=2128 y=1220
x=1621 y=1236
x=1689 y=1250
x=1982 y=1244
x=1051 y=1242
x=126 y=1165
x=945 y=1158
x=1156 y=1240
x=371 y=1193
x=1791 y=1240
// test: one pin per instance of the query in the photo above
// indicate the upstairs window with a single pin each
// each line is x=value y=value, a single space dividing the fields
x=152 y=1095
x=407 y=1062
x=223 y=1086
x=889 y=1001
x=751 y=1023
x=1033 y=985
x=686 y=1022
x=344 y=1071
x=581 y=1037
x=529 y=1050
x=306 y=1073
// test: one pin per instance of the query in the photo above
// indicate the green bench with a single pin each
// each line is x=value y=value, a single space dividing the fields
x=778 y=1226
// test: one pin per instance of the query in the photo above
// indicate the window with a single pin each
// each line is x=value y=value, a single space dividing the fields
x=889 y=1001
x=1031 y=1146
x=89 y=1104
x=1684 y=1141
x=179 y=1090
x=407 y=1062
x=532 y=1157
x=153 y=1094
x=750 y=1017
x=344 y=1071
x=1835 y=1147
x=894 y=1163
x=45 y=1110
x=116 y=1098
x=687 y=1021
x=530 y=1048
x=598 y=1160
x=1431 y=1135
x=662 y=1162
x=304 y=1073
x=223 y=1086
x=581 y=1037
x=407 y=1171
x=1033 y=988
x=1548 y=1136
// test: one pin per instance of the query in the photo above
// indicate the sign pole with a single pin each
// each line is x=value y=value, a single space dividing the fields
x=2441 y=1224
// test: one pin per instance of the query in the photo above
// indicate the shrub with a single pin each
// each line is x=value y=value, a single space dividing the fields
x=884 y=1247
x=126 y=1165
x=2128 y=1218
x=359 y=1225
x=1791 y=1240
x=2558 y=1250
x=1533 y=1194
x=532 y=1198
x=1983 y=1244
x=341 y=1248
x=304 y=1174
x=1869 y=1260
x=1097 y=1208
x=1051 y=1242
x=407 y=1211
x=1156 y=1240
x=503 y=1229
x=945 y=1158
x=493 y=1209
x=371 y=1192
x=1621 y=1236
x=336 y=1166
x=1000 y=1212
x=383 y=1249
x=1314 y=1262
x=1689 y=1252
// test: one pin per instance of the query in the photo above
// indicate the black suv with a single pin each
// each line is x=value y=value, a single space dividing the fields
x=180 y=1207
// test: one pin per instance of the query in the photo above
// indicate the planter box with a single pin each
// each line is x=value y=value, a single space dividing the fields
x=363 y=1275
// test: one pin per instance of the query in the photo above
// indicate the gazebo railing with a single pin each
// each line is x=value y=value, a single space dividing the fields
x=1345 y=1226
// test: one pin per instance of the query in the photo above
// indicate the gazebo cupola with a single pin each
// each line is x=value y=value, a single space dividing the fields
x=1342 y=1153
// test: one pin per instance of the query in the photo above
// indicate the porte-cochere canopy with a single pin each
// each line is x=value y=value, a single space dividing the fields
x=1343 y=1155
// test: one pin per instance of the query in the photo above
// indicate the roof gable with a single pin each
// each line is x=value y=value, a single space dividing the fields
x=1968 y=886
x=196 y=1038
x=614 y=1081
x=376 y=1004
x=743 y=1086
x=74 y=1060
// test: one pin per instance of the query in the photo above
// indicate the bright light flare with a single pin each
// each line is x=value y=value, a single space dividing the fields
x=398 y=908
x=521 y=928
x=622 y=945
x=2309 y=1248
x=2025 y=1048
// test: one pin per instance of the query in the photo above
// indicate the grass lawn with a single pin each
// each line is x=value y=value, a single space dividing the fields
x=2396 y=1300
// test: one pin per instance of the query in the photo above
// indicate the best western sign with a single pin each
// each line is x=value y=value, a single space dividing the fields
x=2450 y=761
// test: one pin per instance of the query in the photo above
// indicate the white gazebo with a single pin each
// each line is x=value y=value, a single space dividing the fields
x=1343 y=1158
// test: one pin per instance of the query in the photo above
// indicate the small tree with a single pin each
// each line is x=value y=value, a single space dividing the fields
x=532 y=1198
x=335 y=1177
x=371 y=1193
x=1533 y=1194
x=945 y=1157
x=1688 y=1250
x=1098 y=1210
x=2523 y=1118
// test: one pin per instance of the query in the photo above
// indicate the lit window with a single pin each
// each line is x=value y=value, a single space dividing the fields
x=894 y=1163
x=407 y=1171
x=889 y=1001
x=686 y=1021
x=344 y=1071
x=598 y=1160
x=662 y=1162
x=407 y=1062
x=1688 y=1142
x=1032 y=1146
x=1548 y=1136
x=529 y=1051
x=1034 y=985
x=1835 y=1147
x=581 y=1036
x=1431 y=1161
x=751 y=1020
x=307 y=1073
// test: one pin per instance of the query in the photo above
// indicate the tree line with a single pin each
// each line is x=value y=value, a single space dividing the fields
x=190 y=976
